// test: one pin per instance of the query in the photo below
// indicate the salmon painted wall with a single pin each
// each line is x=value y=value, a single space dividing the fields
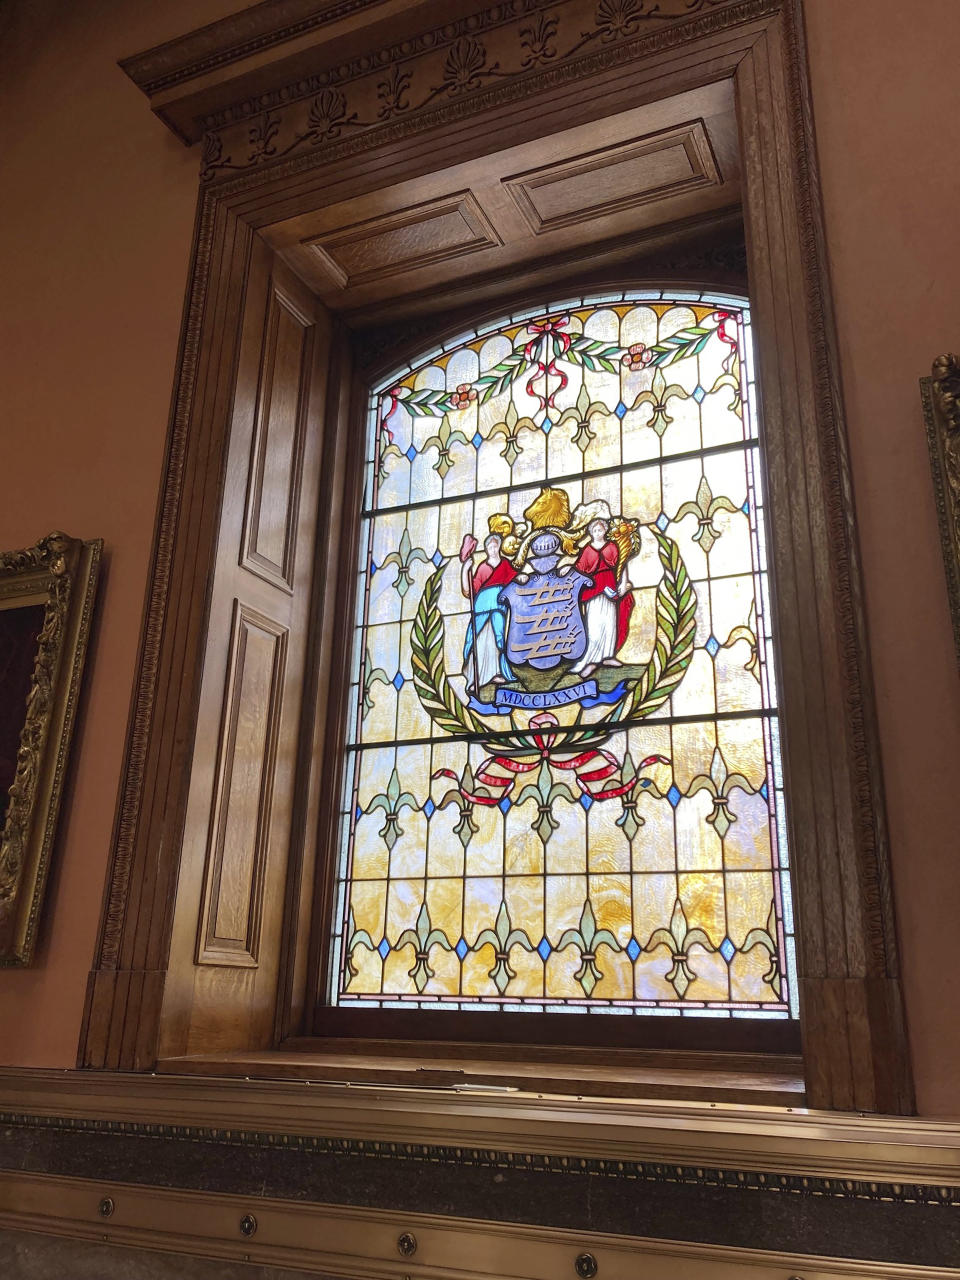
x=885 y=106
x=91 y=302
x=98 y=202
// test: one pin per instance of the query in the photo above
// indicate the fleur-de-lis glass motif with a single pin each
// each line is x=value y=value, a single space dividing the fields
x=503 y=938
x=588 y=938
x=680 y=939
x=580 y=417
x=443 y=442
x=545 y=791
x=423 y=939
x=388 y=451
x=748 y=633
x=659 y=396
x=510 y=428
x=356 y=938
x=719 y=785
x=404 y=559
x=371 y=675
x=766 y=938
x=392 y=801
x=705 y=509
x=465 y=828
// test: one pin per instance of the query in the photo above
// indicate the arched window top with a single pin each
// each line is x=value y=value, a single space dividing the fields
x=562 y=786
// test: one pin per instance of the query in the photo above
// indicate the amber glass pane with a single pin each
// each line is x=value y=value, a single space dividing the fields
x=563 y=783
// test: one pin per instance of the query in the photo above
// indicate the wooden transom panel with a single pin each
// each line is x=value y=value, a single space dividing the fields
x=667 y=161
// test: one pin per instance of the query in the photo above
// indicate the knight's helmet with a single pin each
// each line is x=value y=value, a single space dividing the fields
x=545 y=552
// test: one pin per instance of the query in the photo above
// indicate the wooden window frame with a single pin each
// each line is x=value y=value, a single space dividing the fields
x=854 y=1040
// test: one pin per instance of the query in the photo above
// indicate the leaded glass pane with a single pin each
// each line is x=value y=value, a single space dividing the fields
x=562 y=784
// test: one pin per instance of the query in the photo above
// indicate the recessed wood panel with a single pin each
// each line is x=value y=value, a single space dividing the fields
x=240 y=822
x=405 y=240
x=616 y=178
x=273 y=487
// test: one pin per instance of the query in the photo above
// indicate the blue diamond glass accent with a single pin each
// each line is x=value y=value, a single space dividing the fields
x=384 y=948
x=698 y=394
x=544 y=948
x=662 y=521
x=477 y=440
x=436 y=558
x=545 y=426
x=461 y=948
x=764 y=792
x=746 y=507
x=504 y=805
x=358 y=813
x=397 y=681
x=633 y=948
x=428 y=807
x=586 y=801
x=373 y=566
x=727 y=950
x=673 y=795
x=712 y=645
x=620 y=410
x=411 y=453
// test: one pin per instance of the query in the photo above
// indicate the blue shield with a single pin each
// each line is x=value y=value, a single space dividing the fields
x=545 y=624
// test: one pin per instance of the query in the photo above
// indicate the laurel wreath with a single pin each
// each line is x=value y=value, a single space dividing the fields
x=676 y=604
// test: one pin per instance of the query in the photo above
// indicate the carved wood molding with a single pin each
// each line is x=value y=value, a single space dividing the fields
x=504 y=53
x=941 y=411
x=853 y=1021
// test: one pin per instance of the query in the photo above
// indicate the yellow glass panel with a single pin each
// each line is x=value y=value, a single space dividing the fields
x=612 y=906
x=404 y=900
x=445 y=904
x=617 y=980
x=698 y=846
x=484 y=855
x=371 y=857
x=649 y=974
x=747 y=843
x=711 y=979
x=369 y=975
x=482 y=896
x=524 y=852
x=607 y=847
x=741 y=742
x=749 y=895
x=702 y=898
x=559 y=971
x=368 y=901
x=747 y=974
x=565 y=896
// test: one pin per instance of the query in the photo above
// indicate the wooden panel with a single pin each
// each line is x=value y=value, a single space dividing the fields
x=274 y=484
x=616 y=178
x=405 y=240
x=238 y=844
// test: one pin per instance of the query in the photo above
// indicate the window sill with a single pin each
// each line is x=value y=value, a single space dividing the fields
x=750 y=1079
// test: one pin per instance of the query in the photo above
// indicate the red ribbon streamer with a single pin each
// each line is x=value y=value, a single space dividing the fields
x=602 y=766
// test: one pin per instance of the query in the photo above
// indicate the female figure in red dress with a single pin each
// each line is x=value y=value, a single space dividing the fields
x=607 y=613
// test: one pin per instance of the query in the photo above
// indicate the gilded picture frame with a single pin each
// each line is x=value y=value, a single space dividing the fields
x=941 y=413
x=46 y=600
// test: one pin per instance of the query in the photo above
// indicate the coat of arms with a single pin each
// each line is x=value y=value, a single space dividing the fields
x=551 y=613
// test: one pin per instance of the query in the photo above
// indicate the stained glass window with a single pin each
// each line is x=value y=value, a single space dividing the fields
x=562 y=785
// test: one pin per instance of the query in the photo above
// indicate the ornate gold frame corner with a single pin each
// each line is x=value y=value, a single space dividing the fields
x=59 y=573
x=941 y=414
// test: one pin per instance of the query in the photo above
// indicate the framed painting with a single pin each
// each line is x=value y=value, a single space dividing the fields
x=941 y=414
x=46 y=597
